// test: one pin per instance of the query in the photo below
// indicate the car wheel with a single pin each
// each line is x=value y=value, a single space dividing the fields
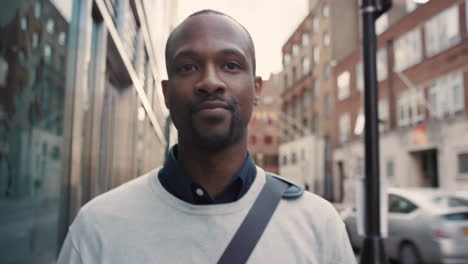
x=409 y=254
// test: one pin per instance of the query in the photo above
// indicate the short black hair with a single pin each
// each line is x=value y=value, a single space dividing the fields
x=210 y=11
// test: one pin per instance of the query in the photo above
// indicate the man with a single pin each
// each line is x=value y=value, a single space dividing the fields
x=188 y=211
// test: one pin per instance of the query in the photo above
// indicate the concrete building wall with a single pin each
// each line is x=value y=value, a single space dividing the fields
x=302 y=161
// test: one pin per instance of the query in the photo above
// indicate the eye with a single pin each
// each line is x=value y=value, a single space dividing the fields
x=231 y=66
x=187 y=68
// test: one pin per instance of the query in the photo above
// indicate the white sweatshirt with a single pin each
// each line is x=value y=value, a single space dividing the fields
x=140 y=222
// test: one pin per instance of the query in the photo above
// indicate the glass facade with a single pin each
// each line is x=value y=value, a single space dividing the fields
x=80 y=113
x=33 y=59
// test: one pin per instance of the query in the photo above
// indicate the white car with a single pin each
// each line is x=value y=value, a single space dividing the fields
x=425 y=225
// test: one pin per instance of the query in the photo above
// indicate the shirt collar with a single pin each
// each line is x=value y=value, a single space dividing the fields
x=174 y=179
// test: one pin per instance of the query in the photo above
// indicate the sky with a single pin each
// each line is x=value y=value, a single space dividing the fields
x=270 y=23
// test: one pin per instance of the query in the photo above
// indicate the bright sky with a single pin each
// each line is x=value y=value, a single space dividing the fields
x=270 y=22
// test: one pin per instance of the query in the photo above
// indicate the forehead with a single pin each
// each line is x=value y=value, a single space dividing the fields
x=209 y=31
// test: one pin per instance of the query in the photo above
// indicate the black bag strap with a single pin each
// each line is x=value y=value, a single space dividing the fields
x=251 y=229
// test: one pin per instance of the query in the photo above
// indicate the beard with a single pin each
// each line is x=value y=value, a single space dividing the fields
x=216 y=142
x=221 y=141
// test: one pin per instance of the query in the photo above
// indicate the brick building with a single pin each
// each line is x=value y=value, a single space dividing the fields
x=327 y=34
x=264 y=126
x=422 y=64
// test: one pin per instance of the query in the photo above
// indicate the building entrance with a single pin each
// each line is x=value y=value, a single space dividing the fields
x=428 y=164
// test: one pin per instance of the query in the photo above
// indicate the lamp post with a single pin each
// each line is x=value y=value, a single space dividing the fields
x=373 y=248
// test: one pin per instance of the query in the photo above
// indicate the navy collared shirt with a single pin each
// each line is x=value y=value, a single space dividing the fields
x=174 y=179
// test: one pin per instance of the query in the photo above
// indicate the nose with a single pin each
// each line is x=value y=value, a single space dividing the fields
x=210 y=82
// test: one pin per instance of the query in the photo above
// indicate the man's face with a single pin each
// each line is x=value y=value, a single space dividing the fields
x=211 y=86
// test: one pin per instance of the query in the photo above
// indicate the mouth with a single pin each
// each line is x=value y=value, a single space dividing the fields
x=211 y=106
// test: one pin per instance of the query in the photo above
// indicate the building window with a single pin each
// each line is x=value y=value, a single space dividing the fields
x=50 y=26
x=382 y=64
x=47 y=53
x=408 y=50
x=315 y=124
x=305 y=65
x=359 y=77
x=294 y=72
x=295 y=50
x=295 y=106
x=305 y=39
x=293 y=158
x=463 y=163
x=383 y=115
x=446 y=95
x=316 y=55
x=253 y=140
x=286 y=58
x=285 y=81
x=410 y=107
x=326 y=72
x=327 y=106
x=285 y=160
x=35 y=40
x=442 y=31
x=343 y=85
x=326 y=39
x=345 y=128
x=390 y=168
x=325 y=11
x=37 y=9
x=62 y=38
x=411 y=5
x=268 y=140
x=316 y=89
x=305 y=101
x=315 y=24
x=24 y=23
x=381 y=24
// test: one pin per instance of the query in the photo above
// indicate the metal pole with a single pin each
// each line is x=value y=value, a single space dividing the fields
x=373 y=249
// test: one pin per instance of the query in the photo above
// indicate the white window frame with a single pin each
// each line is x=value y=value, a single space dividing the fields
x=410 y=107
x=381 y=24
x=50 y=26
x=444 y=100
x=343 y=84
x=408 y=50
x=326 y=11
x=316 y=52
x=359 y=77
x=286 y=58
x=295 y=50
x=326 y=39
x=305 y=65
x=382 y=72
x=442 y=31
x=37 y=9
x=35 y=40
x=305 y=39
x=383 y=115
x=315 y=24
x=344 y=124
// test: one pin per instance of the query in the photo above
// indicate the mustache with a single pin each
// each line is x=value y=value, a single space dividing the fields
x=230 y=103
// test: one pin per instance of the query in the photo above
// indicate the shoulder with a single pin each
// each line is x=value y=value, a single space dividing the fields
x=293 y=191
x=121 y=200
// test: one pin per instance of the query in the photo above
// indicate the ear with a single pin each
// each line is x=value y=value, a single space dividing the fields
x=164 y=90
x=258 y=89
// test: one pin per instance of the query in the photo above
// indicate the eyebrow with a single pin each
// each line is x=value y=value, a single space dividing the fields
x=192 y=53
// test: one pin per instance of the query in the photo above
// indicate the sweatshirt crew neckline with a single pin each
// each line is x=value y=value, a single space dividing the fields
x=211 y=209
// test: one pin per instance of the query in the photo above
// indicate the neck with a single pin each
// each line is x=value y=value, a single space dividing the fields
x=213 y=170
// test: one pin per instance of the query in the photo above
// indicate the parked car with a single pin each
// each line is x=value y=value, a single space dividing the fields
x=425 y=225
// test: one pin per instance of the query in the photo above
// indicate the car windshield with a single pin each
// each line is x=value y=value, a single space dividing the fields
x=449 y=201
